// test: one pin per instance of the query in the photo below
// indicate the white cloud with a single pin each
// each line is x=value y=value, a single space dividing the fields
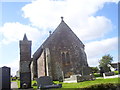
x=14 y=65
x=16 y=0
x=46 y=13
x=93 y=62
x=116 y=1
x=13 y=32
x=95 y=27
x=98 y=48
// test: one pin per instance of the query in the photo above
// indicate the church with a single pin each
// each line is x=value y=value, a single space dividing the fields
x=60 y=56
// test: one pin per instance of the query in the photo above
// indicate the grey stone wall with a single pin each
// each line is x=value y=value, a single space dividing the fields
x=66 y=53
x=41 y=65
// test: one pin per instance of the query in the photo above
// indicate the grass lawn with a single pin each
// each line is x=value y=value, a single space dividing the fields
x=83 y=84
x=89 y=83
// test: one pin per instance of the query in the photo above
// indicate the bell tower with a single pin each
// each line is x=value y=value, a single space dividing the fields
x=25 y=61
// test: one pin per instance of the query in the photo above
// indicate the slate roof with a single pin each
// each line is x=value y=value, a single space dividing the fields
x=62 y=27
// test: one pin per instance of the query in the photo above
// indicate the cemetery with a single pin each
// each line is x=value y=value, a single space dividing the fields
x=80 y=84
x=60 y=62
x=111 y=82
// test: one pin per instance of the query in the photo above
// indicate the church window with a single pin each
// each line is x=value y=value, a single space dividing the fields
x=66 y=58
x=63 y=58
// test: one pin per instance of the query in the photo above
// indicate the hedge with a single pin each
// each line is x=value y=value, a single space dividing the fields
x=107 y=86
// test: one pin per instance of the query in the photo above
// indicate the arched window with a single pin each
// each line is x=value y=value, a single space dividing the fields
x=63 y=58
x=67 y=58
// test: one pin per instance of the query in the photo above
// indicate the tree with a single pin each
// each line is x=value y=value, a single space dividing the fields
x=105 y=61
x=94 y=69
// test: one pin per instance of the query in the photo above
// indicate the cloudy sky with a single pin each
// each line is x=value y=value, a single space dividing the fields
x=95 y=22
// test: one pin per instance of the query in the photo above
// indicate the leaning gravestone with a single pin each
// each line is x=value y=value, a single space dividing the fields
x=5 y=83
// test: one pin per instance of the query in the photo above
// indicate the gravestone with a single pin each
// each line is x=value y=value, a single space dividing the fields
x=85 y=78
x=5 y=83
x=109 y=73
x=45 y=82
x=79 y=78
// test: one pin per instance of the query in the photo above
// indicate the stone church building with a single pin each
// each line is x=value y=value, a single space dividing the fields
x=60 y=56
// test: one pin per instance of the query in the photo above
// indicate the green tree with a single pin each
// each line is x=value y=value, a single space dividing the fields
x=94 y=69
x=106 y=59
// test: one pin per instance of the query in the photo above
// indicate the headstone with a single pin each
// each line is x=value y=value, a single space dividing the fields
x=5 y=83
x=79 y=78
x=109 y=73
x=46 y=83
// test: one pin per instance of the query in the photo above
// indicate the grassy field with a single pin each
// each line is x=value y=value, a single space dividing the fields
x=83 y=84
x=89 y=83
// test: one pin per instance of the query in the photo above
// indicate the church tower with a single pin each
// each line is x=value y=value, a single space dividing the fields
x=25 y=61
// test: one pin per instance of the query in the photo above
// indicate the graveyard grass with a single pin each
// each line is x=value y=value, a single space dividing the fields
x=82 y=84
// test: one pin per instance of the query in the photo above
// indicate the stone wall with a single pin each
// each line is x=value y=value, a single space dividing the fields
x=67 y=55
x=41 y=65
x=25 y=61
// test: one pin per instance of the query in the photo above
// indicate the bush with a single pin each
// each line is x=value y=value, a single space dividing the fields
x=107 y=86
x=116 y=72
x=15 y=78
x=94 y=69
x=97 y=74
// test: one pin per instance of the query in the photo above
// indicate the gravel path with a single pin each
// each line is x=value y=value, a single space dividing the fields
x=115 y=76
x=14 y=85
